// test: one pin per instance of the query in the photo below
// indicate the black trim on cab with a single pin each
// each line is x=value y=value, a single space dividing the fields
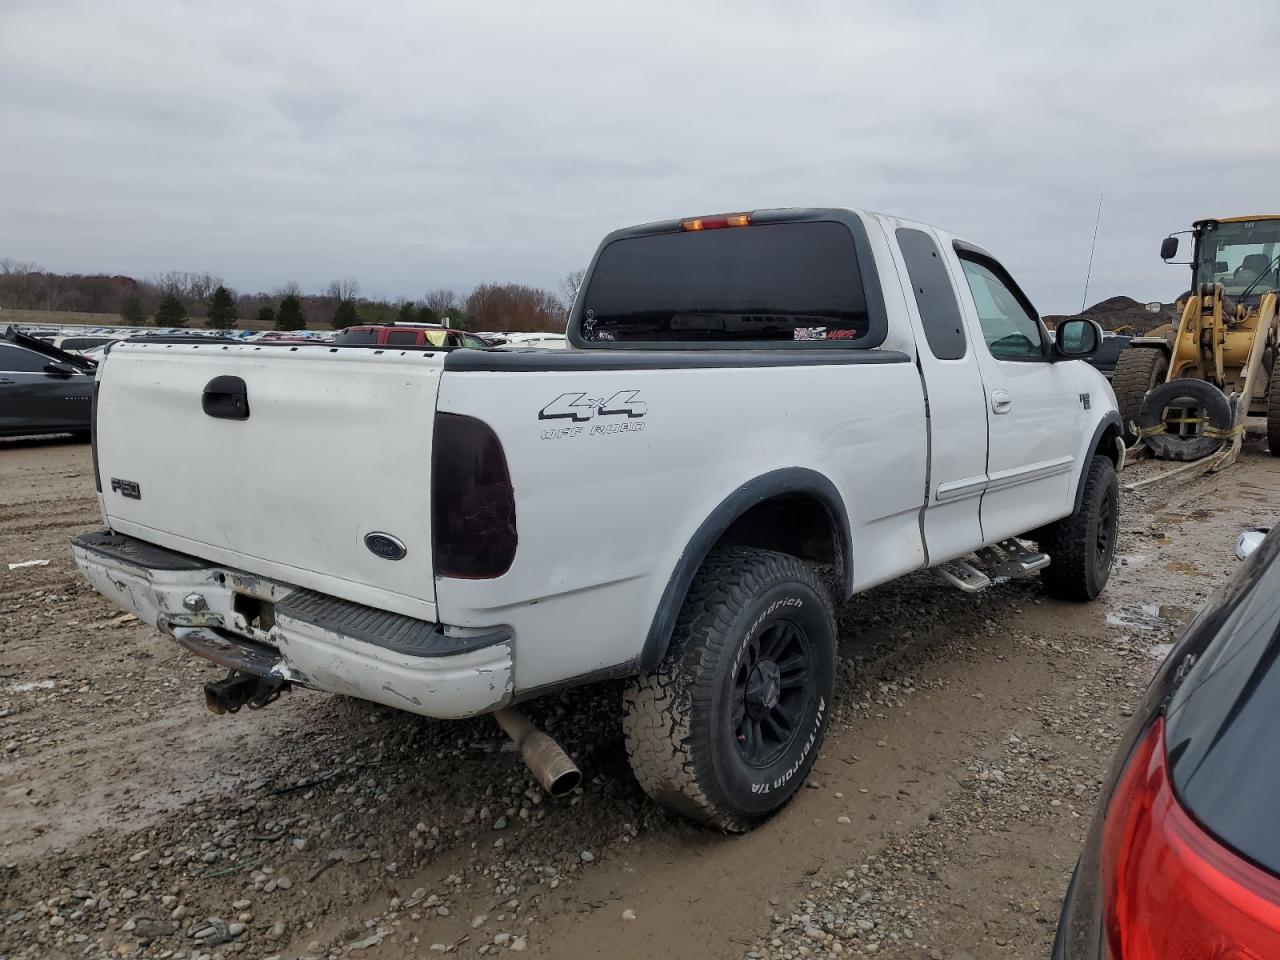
x=800 y=354
x=788 y=481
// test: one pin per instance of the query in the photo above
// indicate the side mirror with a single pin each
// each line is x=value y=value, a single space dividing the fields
x=59 y=369
x=1155 y=306
x=1168 y=248
x=1077 y=339
x=1250 y=540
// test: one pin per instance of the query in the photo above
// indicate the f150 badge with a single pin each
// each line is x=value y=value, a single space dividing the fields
x=126 y=488
x=624 y=410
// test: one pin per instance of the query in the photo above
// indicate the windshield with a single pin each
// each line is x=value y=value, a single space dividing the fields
x=1240 y=256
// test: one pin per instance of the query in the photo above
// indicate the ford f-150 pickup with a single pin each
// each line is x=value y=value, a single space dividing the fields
x=752 y=408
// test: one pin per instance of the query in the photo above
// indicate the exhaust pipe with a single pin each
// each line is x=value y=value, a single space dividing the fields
x=542 y=755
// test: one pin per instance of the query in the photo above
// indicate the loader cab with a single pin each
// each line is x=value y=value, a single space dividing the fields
x=1241 y=253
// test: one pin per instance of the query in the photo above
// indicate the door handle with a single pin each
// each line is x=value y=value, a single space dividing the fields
x=1001 y=402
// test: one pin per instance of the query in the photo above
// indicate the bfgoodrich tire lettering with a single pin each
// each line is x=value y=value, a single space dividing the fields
x=728 y=726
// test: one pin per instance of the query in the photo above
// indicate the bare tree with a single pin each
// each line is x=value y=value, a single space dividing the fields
x=200 y=286
x=440 y=301
x=344 y=289
x=290 y=289
x=9 y=267
x=513 y=307
x=569 y=285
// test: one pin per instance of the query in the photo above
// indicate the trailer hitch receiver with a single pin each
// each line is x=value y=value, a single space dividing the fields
x=238 y=689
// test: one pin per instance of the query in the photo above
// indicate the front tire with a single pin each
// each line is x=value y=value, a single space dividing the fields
x=1082 y=546
x=728 y=726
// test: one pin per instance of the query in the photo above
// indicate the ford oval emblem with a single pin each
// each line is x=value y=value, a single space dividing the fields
x=385 y=546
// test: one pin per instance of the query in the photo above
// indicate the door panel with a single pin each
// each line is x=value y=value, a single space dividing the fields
x=957 y=428
x=1032 y=407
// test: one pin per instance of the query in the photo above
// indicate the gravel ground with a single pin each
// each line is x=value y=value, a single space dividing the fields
x=942 y=820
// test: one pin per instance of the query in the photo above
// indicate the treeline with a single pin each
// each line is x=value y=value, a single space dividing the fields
x=178 y=299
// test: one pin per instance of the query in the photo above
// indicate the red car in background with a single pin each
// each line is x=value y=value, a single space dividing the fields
x=407 y=335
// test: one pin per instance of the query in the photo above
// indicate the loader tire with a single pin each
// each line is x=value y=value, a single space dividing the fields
x=1273 y=410
x=1082 y=546
x=727 y=727
x=1139 y=370
x=1213 y=407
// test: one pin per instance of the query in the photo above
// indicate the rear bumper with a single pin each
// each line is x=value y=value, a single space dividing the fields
x=271 y=629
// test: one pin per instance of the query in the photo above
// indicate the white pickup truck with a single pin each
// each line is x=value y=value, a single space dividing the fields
x=752 y=407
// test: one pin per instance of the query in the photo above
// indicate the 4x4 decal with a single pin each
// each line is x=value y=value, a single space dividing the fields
x=580 y=408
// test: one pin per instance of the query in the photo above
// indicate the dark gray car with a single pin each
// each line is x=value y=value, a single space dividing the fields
x=43 y=389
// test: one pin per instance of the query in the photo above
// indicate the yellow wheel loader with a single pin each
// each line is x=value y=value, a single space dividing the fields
x=1185 y=391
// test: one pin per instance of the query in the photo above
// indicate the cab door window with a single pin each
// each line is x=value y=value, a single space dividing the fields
x=1009 y=327
x=17 y=360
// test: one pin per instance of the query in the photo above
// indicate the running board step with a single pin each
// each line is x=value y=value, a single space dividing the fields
x=1012 y=558
x=963 y=575
x=1008 y=559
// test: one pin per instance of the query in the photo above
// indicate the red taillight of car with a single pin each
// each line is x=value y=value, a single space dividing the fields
x=93 y=436
x=473 y=506
x=1171 y=889
x=718 y=222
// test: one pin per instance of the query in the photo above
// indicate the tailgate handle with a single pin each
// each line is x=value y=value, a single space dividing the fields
x=226 y=398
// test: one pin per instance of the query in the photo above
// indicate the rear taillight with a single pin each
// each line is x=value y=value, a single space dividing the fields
x=1171 y=889
x=93 y=436
x=473 y=508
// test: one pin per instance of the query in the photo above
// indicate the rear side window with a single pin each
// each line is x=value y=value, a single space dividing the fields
x=766 y=282
x=935 y=297
x=356 y=337
x=403 y=337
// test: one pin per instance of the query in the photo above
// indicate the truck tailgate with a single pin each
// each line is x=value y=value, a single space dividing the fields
x=336 y=446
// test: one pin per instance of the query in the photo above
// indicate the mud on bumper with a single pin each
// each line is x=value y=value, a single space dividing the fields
x=270 y=629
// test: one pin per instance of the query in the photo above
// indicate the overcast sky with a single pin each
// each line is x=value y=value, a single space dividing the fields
x=419 y=144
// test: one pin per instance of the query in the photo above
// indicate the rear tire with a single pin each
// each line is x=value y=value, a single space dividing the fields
x=1273 y=410
x=1082 y=546
x=728 y=726
x=1139 y=370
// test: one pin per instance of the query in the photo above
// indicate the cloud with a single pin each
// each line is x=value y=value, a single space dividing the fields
x=419 y=145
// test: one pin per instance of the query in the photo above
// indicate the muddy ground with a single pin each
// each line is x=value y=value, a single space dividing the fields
x=942 y=819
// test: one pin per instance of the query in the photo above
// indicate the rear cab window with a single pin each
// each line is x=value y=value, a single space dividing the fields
x=794 y=283
x=356 y=337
